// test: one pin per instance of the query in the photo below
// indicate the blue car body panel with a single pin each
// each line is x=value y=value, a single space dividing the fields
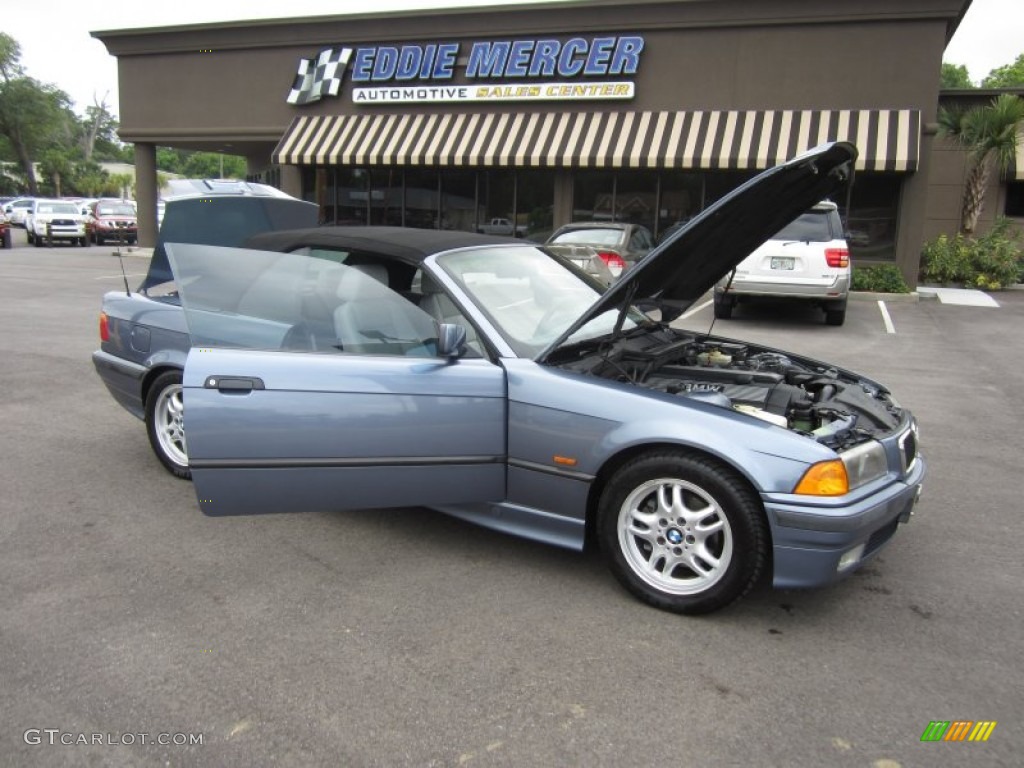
x=372 y=431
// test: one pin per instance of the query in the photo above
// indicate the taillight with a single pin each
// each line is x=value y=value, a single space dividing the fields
x=104 y=327
x=615 y=262
x=837 y=257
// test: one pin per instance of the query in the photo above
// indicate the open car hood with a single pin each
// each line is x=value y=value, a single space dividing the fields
x=683 y=268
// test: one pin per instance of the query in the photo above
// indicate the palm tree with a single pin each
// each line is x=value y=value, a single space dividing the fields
x=989 y=134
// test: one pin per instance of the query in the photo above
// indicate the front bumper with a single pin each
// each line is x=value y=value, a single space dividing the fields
x=60 y=231
x=809 y=541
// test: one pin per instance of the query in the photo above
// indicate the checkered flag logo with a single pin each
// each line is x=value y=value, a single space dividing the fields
x=319 y=77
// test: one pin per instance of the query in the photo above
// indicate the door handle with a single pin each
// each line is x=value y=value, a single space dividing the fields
x=233 y=384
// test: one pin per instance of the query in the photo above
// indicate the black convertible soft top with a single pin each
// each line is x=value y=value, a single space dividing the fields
x=408 y=244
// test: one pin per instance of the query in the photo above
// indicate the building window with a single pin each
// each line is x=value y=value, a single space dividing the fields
x=497 y=195
x=385 y=198
x=593 y=195
x=681 y=198
x=535 y=203
x=347 y=199
x=1014 y=199
x=458 y=200
x=636 y=198
x=872 y=216
x=422 y=194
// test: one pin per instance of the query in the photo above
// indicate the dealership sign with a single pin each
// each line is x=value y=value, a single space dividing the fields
x=505 y=70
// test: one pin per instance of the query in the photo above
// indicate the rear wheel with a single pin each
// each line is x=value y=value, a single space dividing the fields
x=835 y=314
x=723 y=307
x=682 y=532
x=165 y=411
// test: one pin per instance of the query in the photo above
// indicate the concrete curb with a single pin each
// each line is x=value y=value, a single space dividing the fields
x=903 y=298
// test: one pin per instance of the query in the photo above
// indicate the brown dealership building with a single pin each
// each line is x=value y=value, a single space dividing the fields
x=544 y=114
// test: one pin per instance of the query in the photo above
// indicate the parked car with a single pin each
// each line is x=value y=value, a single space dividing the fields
x=17 y=209
x=807 y=260
x=586 y=258
x=376 y=367
x=50 y=221
x=114 y=220
x=618 y=244
x=500 y=226
x=5 y=231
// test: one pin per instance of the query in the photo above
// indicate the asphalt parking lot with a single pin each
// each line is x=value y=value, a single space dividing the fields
x=408 y=638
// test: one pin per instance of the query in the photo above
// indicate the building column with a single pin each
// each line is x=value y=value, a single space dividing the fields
x=913 y=210
x=562 y=213
x=146 y=192
x=291 y=180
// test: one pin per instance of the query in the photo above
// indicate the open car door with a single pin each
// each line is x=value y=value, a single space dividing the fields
x=312 y=386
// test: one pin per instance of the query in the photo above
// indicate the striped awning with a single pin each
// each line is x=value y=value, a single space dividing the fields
x=887 y=139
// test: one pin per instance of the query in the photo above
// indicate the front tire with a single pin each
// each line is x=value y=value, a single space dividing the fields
x=165 y=411
x=682 y=532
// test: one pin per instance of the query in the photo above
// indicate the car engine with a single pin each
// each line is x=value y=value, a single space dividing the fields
x=834 y=407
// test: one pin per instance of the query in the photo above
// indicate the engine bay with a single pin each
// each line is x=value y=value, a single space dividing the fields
x=832 y=406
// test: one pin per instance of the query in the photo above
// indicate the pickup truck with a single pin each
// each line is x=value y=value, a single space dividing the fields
x=499 y=226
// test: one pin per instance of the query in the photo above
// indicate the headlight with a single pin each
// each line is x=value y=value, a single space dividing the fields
x=853 y=468
x=864 y=463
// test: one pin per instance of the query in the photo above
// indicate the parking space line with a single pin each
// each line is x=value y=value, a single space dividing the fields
x=889 y=327
x=695 y=310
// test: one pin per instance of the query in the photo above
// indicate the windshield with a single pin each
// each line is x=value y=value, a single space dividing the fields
x=116 y=209
x=595 y=236
x=56 y=208
x=811 y=227
x=530 y=295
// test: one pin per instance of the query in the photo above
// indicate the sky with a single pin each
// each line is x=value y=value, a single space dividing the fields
x=57 y=48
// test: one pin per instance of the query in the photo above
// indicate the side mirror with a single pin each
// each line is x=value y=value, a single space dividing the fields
x=451 y=340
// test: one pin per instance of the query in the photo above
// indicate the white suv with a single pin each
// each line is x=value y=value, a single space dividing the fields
x=50 y=220
x=807 y=259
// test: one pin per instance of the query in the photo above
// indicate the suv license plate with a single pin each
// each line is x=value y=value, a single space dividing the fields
x=782 y=262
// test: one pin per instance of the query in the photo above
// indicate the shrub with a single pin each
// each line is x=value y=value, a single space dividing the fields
x=947 y=260
x=881 y=278
x=991 y=261
x=997 y=260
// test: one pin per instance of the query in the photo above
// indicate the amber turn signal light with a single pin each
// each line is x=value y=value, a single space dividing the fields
x=826 y=478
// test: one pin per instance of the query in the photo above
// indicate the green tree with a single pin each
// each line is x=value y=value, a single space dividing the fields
x=99 y=132
x=214 y=165
x=57 y=168
x=1007 y=76
x=955 y=76
x=34 y=116
x=989 y=134
x=120 y=185
x=90 y=179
